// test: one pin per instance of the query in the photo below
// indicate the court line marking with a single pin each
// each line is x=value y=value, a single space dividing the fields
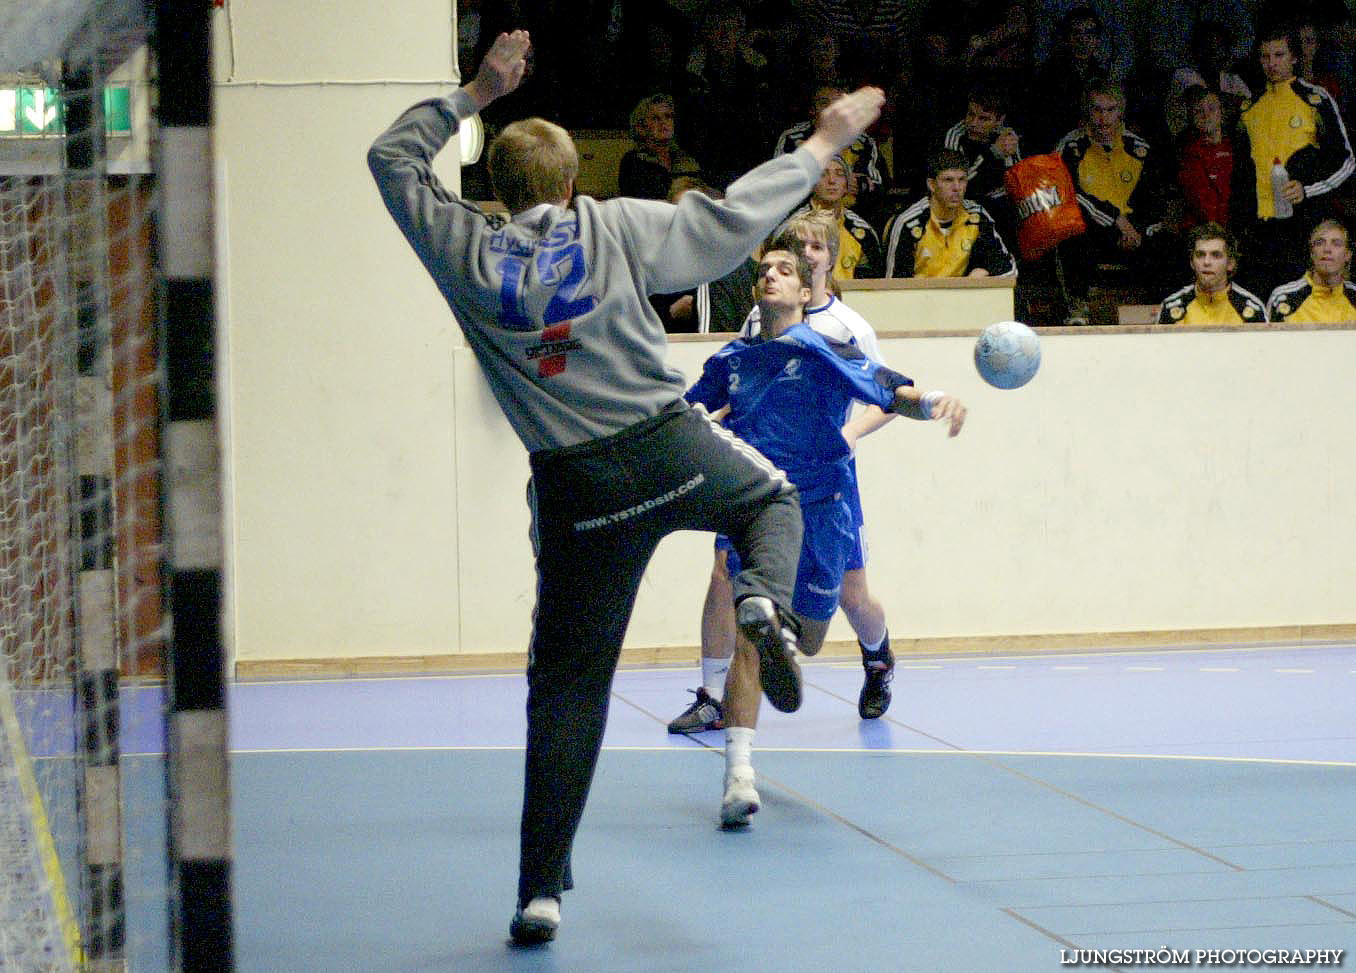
x=1048 y=933
x=1071 y=796
x=1332 y=905
x=803 y=799
x=42 y=829
x=1037 y=907
x=936 y=662
x=699 y=745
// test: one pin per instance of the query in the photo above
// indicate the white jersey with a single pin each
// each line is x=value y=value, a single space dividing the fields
x=835 y=321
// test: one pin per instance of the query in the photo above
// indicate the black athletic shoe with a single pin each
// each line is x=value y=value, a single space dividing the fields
x=763 y=625
x=536 y=922
x=880 y=669
x=704 y=714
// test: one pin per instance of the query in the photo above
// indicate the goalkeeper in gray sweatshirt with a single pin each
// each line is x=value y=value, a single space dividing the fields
x=554 y=304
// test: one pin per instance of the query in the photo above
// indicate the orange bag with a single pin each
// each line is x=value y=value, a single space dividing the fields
x=1042 y=191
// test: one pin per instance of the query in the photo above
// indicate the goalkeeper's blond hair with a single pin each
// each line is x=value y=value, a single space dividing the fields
x=532 y=161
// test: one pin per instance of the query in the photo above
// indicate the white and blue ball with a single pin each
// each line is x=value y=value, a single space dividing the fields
x=1007 y=354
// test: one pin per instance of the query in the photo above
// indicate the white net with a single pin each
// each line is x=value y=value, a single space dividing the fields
x=82 y=850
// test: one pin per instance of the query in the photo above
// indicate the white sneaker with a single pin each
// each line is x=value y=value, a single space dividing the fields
x=741 y=800
x=536 y=922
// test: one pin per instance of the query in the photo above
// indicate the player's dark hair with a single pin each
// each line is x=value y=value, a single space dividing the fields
x=989 y=97
x=790 y=241
x=944 y=159
x=1212 y=231
x=1102 y=86
x=1281 y=32
x=1076 y=14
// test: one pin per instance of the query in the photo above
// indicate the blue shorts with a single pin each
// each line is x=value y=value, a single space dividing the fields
x=857 y=558
x=830 y=543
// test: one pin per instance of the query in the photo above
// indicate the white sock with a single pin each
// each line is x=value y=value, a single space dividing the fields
x=876 y=646
x=713 y=677
x=738 y=747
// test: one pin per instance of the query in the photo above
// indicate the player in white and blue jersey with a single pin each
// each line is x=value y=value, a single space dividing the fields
x=787 y=392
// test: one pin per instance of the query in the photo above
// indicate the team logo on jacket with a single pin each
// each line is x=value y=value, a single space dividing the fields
x=550 y=353
x=1296 y=121
x=792 y=369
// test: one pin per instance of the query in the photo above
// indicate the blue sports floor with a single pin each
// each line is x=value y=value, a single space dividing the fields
x=1006 y=812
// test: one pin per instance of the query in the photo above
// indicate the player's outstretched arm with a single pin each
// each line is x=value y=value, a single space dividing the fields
x=930 y=405
x=501 y=70
x=842 y=121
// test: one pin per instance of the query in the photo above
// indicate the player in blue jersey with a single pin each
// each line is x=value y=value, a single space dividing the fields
x=839 y=323
x=787 y=392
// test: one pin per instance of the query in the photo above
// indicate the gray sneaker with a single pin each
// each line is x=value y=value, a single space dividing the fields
x=704 y=714
x=767 y=630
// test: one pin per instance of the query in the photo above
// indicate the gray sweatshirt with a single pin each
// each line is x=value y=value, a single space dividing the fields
x=554 y=303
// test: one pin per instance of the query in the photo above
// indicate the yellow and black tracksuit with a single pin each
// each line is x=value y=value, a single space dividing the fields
x=918 y=245
x=1298 y=123
x=1308 y=300
x=1113 y=181
x=1122 y=179
x=1233 y=305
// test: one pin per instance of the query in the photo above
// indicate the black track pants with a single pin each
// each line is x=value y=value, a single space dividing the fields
x=599 y=509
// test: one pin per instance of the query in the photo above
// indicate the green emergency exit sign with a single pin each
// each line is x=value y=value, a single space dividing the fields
x=30 y=112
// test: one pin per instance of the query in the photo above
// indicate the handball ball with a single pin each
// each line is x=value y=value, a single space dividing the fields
x=1007 y=354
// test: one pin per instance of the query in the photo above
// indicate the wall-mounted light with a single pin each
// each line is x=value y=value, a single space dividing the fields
x=472 y=136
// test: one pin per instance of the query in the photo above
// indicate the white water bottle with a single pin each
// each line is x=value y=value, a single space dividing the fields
x=1279 y=177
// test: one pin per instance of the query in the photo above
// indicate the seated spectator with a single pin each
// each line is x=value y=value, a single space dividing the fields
x=991 y=147
x=1209 y=67
x=1308 y=68
x=648 y=170
x=1172 y=27
x=858 y=244
x=1076 y=62
x=966 y=39
x=1324 y=294
x=1298 y=124
x=871 y=39
x=1116 y=39
x=1213 y=298
x=864 y=172
x=944 y=234
x=726 y=105
x=720 y=305
x=1119 y=191
x=1206 y=160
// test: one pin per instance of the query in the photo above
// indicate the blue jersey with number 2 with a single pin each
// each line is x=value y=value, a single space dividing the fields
x=788 y=396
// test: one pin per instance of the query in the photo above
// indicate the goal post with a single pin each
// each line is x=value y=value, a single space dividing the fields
x=114 y=798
